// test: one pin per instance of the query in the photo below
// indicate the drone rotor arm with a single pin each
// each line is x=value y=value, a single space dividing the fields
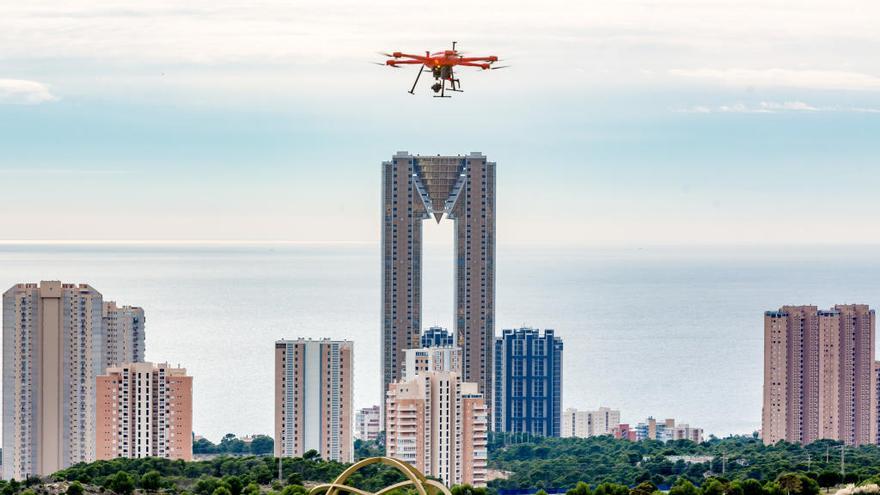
x=479 y=59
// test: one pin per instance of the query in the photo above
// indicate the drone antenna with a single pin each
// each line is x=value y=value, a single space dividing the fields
x=453 y=44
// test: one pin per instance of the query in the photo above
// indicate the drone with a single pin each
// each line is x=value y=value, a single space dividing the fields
x=440 y=65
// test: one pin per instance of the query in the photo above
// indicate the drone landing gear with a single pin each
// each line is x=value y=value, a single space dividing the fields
x=441 y=88
x=413 y=90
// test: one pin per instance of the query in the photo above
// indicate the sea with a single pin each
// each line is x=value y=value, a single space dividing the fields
x=666 y=331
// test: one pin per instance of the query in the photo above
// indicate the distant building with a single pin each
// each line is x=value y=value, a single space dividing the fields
x=53 y=349
x=313 y=398
x=144 y=410
x=437 y=337
x=368 y=423
x=667 y=431
x=624 y=432
x=124 y=330
x=431 y=359
x=414 y=189
x=528 y=382
x=585 y=424
x=819 y=375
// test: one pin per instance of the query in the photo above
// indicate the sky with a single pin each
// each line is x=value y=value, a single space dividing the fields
x=631 y=122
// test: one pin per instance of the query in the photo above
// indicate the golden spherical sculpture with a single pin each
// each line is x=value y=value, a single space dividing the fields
x=414 y=479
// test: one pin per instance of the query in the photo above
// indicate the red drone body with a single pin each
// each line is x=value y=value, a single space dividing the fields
x=440 y=65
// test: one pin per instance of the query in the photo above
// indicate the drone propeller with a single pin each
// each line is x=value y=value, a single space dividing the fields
x=385 y=65
x=499 y=67
x=386 y=54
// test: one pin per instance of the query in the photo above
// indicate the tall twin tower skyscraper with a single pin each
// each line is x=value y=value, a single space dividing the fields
x=417 y=188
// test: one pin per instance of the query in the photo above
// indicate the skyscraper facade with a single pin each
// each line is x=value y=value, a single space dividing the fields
x=415 y=188
x=876 y=434
x=53 y=343
x=144 y=410
x=436 y=421
x=431 y=359
x=124 y=331
x=313 y=398
x=439 y=424
x=528 y=382
x=818 y=374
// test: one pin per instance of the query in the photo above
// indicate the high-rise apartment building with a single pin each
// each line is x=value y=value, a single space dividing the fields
x=585 y=424
x=431 y=359
x=439 y=424
x=819 y=374
x=876 y=434
x=368 y=423
x=57 y=338
x=144 y=410
x=528 y=382
x=313 y=398
x=415 y=188
x=53 y=340
x=435 y=421
x=437 y=337
x=124 y=331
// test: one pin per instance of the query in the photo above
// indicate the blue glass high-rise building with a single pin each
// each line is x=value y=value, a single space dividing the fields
x=437 y=337
x=528 y=382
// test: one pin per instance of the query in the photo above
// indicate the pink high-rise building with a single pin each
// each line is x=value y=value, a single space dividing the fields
x=313 y=398
x=819 y=378
x=144 y=410
x=437 y=422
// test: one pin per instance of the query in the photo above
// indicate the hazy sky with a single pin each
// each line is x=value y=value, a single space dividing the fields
x=620 y=121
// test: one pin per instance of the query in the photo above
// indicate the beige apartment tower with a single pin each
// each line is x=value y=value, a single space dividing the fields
x=439 y=424
x=819 y=380
x=144 y=410
x=124 y=331
x=414 y=189
x=313 y=398
x=435 y=421
x=52 y=343
x=585 y=424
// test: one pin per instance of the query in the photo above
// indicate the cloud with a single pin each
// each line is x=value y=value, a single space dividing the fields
x=22 y=92
x=774 y=107
x=805 y=79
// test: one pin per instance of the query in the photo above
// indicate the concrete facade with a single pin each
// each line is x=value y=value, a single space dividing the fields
x=144 y=410
x=313 y=398
x=819 y=379
x=368 y=423
x=431 y=359
x=415 y=188
x=435 y=421
x=667 y=431
x=124 y=331
x=439 y=424
x=585 y=424
x=53 y=343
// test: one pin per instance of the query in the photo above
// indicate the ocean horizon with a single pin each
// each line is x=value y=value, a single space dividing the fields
x=668 y=331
